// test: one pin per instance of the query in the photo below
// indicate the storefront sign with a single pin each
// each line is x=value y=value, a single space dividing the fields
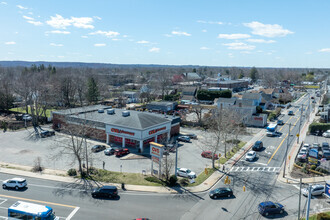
x=156 y=130
x=156 y=150
x=258 y=118
x=312 y=160
x=155 y=159
x=119 y=131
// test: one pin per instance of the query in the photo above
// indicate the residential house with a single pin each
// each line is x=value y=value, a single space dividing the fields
x=162 y=106
x=189 y=94
x=255 y=98
x=192 y=76
x=132 y=97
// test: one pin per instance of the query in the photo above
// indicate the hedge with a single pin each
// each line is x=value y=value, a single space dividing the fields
x=318 y=127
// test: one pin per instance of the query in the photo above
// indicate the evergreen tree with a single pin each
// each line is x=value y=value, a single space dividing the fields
x=92 y=91
x=254 y=74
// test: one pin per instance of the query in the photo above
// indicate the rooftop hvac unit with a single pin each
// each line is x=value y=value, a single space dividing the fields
x=111 y=111
x=100 y=111
x=126 y=113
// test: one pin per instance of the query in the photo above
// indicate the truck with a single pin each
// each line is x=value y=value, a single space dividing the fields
x=327 y=190
x=271 y=130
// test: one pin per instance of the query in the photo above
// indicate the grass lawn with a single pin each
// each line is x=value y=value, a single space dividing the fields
x=118 y=177
x=323 y=215
x=202 y=177
x=231 y=153
x=22 y=110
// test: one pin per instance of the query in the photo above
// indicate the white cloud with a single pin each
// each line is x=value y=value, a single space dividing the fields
x=180 y=33
x=10 y=43
x=143 y=42
x=99 y=45
x=27 y=18
x=231 y=55
x=84 y=36
x=21 y=7
x=204 y=48
x=36 y=23
x=239 y=46
x=209 y=22
x=3 y=3
x=260 y=41
x=115 y=39
x=62 y=23
x=204 y=30
x=56 y=45
x=97 y=17
x=125 y=36
x=154 y=49
x=233 y=36
x=105 y=33
x=168 y=35
x=245 y=52
x=267 y=30
x=58 y=32
x=324 y=50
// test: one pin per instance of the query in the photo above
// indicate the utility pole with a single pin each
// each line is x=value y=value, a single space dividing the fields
x=176 y=157
x=308 y=201
x=301 y=112
x=286 y=152
x=299 y=200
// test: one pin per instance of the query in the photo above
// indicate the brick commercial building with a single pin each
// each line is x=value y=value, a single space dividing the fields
x=117 y=126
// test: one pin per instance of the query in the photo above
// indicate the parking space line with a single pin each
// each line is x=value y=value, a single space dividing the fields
x=38 y=201
x=4 y=200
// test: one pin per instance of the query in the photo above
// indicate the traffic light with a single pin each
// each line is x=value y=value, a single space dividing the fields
x=243 y=188
x=219 y=155
x=226 y=180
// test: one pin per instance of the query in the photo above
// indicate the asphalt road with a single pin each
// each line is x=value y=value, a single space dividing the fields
x=73 y=201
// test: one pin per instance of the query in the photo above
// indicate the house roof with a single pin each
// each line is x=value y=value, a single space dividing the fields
x=266 y=91
x=188 y=97
x=80 y=109
x=266 y=97
x=192 y=76
x=244 y=102
x=189 y=89
x=254 y=96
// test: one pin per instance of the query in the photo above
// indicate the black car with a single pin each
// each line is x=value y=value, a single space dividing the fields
x=105 y=192
x=98 y=148
x=221 y=192
x=258 y=145
x=192 y=136
x=46 y=133
x=325 y=145
x=266 y=208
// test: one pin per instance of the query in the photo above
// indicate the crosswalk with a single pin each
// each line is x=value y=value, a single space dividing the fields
x=255 y=169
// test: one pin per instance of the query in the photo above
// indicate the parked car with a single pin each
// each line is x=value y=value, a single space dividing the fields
x=98 y=148
x=290 y=113
x=44 y=134
x=258 y=145
x=109 y=151
x=250 y=156
x=316 y=190
x=326 y=134
x=191 y=136
x=208 y=154
x=183 y=138
x=15 y=183
x=316 y=146
x=325 y=145
x=221 y=192
x=26 y=117
x=312 y=97
x=121 y=152
x=301 y=157
x=271 y=133
x=280 y=122
x=105 y=192
x=303 y=151
x=184 y=172
x=267 y=208
x=325 y=154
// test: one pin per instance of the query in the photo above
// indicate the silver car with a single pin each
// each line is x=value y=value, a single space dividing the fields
x=316 y=190
x=16 y=183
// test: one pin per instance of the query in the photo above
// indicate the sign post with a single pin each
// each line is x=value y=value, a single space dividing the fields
x=156 y=152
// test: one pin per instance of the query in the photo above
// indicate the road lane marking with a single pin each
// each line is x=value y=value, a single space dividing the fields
x=277 y=148
x=260 y=163
x=73 y=213
x=4 y=200
x=38 y=201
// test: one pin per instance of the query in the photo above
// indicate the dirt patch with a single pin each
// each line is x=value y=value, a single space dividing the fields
x=135 y=156
x=297 y=173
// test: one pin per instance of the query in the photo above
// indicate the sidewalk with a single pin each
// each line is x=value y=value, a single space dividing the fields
x=292 y=155
x=61 y=176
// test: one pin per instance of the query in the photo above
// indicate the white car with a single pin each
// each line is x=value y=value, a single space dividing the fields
x=27 y=117
x=184 y=172
x=250 y=156
x=326 y=134
x=16 y=183
x=316 y=190
x=270 y=134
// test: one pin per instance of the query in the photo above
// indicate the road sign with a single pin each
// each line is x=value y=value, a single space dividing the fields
x=206 y=172
x=243 y=188
x=219 y=155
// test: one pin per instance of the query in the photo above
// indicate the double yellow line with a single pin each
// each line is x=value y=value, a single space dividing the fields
x=285 y=135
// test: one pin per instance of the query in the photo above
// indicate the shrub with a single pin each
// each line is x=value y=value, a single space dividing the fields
x=300 y=163
x=173 y=180
x=184 y=182
x=323 y=216
x=304 y=169
x=153 y=179
x=313 y=167
x=93 y=170
x=37 y=165
x=323 y=170
x=72 y=172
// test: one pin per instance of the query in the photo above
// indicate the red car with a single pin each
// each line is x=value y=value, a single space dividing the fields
x=208 y=154
x=121 y=152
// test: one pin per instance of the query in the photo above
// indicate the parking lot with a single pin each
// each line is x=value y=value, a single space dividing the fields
x=22 y=147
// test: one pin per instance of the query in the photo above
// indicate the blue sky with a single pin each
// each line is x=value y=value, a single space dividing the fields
x=261 y=33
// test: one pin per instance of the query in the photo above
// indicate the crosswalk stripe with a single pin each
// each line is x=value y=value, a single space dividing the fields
x=256 y=169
